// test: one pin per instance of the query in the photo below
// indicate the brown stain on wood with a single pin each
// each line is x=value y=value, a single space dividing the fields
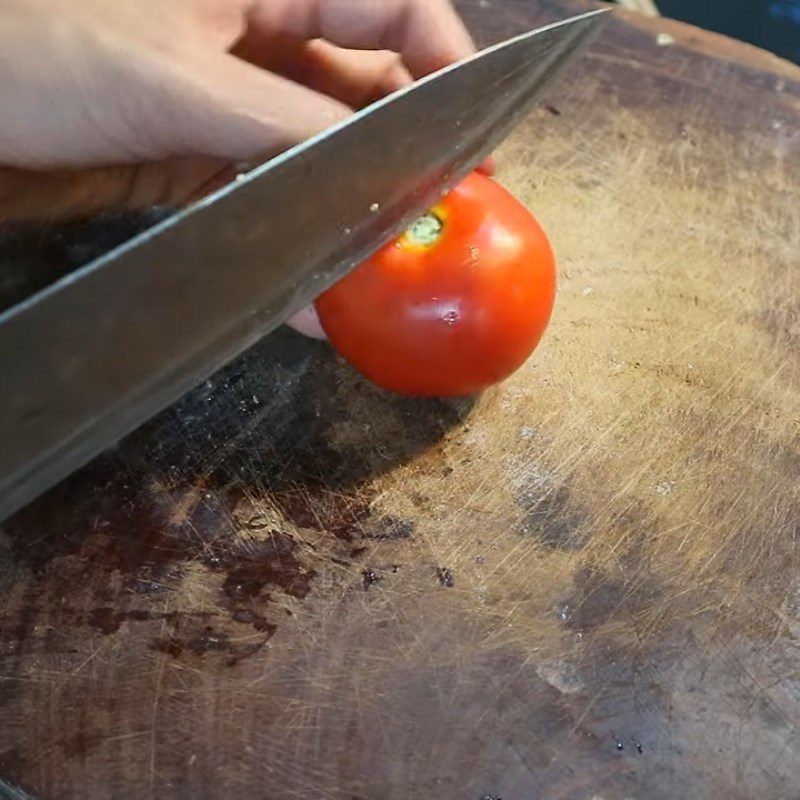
x=583 y=584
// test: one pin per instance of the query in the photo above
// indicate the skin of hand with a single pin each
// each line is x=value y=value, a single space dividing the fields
x=132 y=104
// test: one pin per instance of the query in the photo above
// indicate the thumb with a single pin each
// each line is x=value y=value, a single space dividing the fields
x=226 y=108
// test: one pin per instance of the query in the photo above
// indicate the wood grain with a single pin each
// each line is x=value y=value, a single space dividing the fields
x=582 y=585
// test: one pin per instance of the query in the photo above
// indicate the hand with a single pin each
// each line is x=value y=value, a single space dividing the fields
x=179 y=90
x=173 y=94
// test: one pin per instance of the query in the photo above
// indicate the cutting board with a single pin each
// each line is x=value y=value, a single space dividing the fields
x=583 y=584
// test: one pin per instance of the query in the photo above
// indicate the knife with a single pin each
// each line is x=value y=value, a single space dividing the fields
x=94 y=355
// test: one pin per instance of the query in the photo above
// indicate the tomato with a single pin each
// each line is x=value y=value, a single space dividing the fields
x=456 y=304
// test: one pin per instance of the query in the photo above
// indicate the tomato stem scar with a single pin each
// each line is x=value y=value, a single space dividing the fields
x=426 y=231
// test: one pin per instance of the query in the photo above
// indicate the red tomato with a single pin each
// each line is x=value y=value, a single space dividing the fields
x=456 y=304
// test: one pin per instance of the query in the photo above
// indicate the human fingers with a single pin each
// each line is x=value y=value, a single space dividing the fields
x=307 y=322
x=427 y=34
x=353 y=77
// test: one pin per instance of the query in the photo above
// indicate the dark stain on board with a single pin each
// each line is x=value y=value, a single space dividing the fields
x=258 y=622
x=552 y=516
x=781 y=319
x=109 y=620
x=209 y=642
x=132 y=522
x=600 y=595
x=287 y=432
x=446 y=577
x=250 y=565
x=80 y=745
x=388 y=527
x=369 y=577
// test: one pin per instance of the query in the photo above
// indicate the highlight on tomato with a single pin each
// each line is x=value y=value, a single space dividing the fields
x=456 y=304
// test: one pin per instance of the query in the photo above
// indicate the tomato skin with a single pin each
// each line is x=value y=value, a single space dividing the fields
x=455 y=317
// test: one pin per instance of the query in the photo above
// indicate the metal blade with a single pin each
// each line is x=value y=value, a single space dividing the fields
x=99 y=352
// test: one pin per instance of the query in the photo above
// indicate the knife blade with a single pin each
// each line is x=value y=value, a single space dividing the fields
x=90 y=358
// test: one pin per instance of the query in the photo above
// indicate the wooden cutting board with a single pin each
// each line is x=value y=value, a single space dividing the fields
x=582 y=585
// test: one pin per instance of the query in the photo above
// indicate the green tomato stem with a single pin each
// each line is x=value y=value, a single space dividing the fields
x=426 y=231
